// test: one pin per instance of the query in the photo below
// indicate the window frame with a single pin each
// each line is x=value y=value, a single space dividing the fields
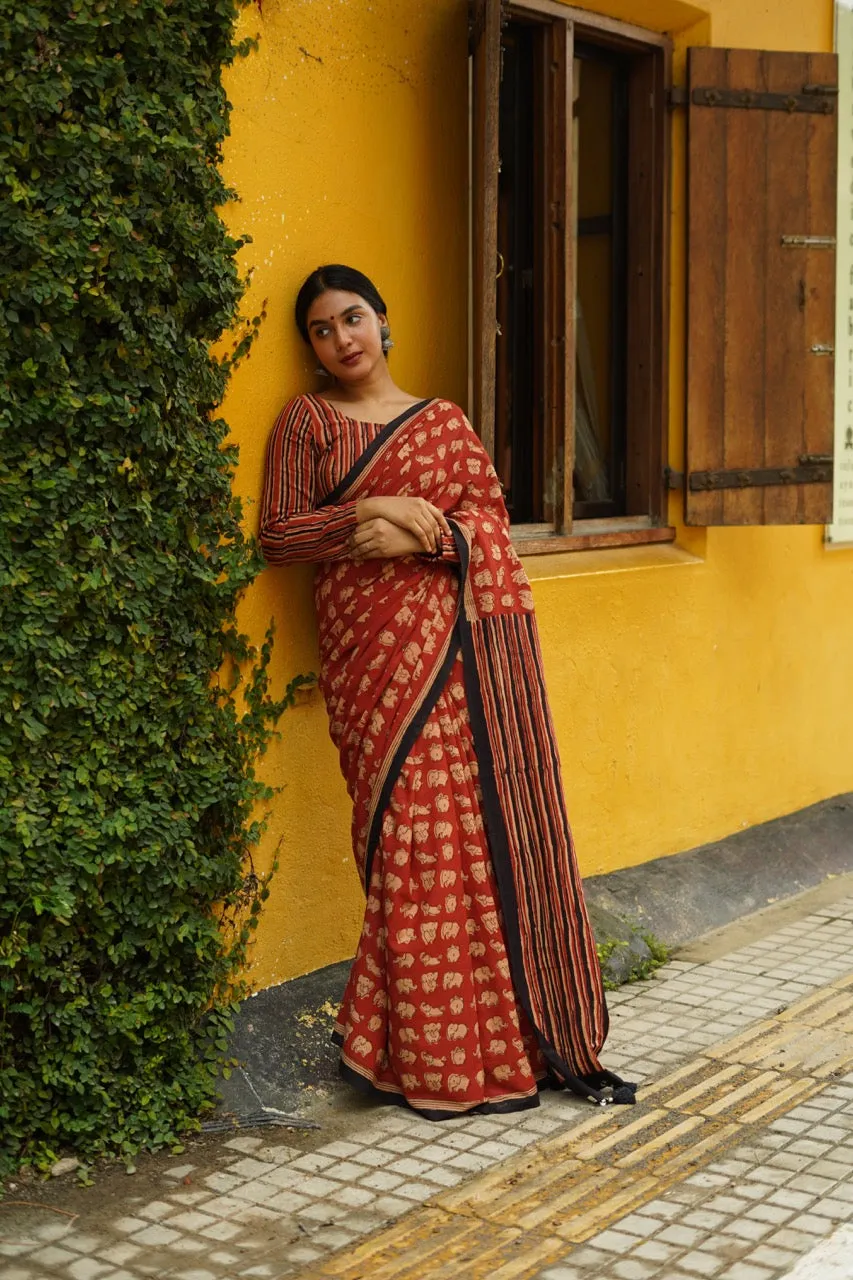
x=648 y=295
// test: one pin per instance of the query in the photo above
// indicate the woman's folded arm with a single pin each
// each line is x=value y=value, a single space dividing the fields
x=308 y=535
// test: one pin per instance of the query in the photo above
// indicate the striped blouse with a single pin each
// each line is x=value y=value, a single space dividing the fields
x=311 y=448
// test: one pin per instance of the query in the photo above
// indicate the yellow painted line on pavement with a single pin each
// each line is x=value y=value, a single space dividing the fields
x=817 y=1050
x=642 y=1154
x=594 y=1186
x=833 y=1007
x=663 y=1083
x=442 y=1246
x=690 y=1095
x=840 y=989
x=589 y=1150
x=693 y=1158
x=558 y=1183
x=775 y=1040
x=576 y=1230
x=790 y=1096
x=730 y=1100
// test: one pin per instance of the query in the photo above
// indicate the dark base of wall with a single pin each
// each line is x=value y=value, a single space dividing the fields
x=282 y=1035
x=680 y=898
x=282 y=1039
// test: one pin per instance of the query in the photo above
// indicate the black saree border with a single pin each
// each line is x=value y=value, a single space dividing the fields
x=391 y=1098
x=419 y=719
x=499 y=846
x=366 y=457
x=410 y=736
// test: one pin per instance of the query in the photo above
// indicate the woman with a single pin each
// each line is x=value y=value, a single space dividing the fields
x=476 y=979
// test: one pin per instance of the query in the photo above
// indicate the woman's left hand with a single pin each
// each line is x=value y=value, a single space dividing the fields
x=379 y=539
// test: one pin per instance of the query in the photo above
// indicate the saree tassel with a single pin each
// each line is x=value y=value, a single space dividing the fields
x=623 y=1092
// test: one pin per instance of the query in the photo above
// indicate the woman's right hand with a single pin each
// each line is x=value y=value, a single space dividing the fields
x=416 y=515
x=381 y=540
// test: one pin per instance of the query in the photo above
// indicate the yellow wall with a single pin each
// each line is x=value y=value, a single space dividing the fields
x=696 y=689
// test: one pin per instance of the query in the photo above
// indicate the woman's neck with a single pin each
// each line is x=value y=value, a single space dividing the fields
x=376 y=388
x=376 y=398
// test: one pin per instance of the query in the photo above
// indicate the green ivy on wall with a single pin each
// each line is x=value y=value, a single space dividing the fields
x=127 y=783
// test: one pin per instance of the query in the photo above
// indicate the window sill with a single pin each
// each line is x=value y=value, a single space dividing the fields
x=624 y=559
x=588 y=535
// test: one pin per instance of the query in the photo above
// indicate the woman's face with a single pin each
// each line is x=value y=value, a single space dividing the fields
x=344 y=332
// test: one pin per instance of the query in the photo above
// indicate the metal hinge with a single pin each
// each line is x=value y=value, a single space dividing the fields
x=812 y=469
x=673 y=479
x=809 y=100
x=676 y=96
x=808 y=242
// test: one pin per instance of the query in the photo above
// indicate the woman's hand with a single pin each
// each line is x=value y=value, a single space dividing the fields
x=379 y=539
x=416 y=515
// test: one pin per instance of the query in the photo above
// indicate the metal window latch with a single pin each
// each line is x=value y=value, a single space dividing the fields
x=808 y=242
x=822 y=349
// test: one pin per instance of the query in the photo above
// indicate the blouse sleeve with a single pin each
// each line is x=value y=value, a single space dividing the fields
x=291 y=529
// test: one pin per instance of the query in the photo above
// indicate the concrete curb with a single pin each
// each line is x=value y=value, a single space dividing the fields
x=682 y=897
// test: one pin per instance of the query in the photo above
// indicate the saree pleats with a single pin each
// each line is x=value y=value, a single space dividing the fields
x=430 y=1014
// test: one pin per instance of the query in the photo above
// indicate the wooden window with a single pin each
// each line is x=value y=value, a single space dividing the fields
x=569 y=182
x=761 y=286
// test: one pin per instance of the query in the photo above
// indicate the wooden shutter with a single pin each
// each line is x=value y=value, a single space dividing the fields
x=486 y=18
x=761 y=286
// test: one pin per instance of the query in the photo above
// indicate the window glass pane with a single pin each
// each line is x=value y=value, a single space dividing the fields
x=518 y=444
x=600 y=161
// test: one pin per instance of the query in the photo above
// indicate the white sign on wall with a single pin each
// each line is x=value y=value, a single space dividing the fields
x=841 y=529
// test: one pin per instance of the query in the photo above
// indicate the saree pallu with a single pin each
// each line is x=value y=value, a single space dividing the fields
x=432 y=677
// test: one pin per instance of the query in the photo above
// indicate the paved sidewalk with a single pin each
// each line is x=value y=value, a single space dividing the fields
x=737 y=1163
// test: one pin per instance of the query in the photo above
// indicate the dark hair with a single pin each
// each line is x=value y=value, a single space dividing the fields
x=335 y=276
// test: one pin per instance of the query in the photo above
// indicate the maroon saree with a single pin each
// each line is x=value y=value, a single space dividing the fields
x=477 y=977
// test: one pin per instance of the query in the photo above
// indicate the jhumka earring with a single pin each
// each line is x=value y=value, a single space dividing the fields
x=321 y=372
x=385 y=335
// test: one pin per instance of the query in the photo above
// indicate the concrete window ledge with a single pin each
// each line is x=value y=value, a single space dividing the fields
x=663 y=555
